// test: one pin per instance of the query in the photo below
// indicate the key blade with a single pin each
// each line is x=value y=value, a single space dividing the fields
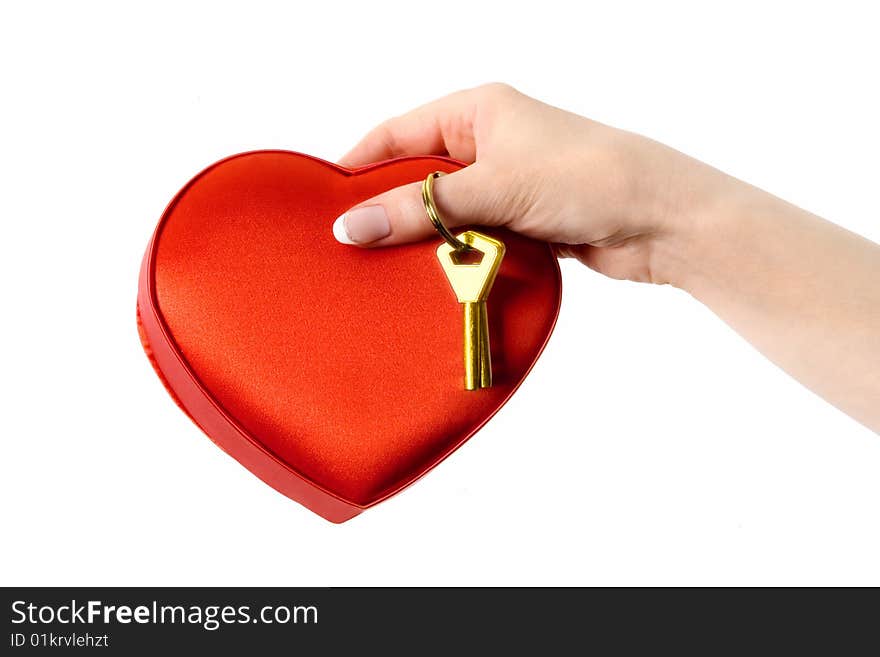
x=472 y=282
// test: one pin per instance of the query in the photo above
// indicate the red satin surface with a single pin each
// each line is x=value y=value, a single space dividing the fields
x=342 y=365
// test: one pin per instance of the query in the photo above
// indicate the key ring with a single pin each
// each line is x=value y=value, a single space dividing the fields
x=434 y=215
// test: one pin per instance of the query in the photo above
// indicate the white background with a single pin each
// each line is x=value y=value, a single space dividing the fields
x=650 y=445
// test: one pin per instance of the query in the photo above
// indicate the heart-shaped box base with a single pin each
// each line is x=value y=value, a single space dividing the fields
x=333 y=373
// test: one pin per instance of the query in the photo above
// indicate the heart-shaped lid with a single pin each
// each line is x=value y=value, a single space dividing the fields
x=332 y=372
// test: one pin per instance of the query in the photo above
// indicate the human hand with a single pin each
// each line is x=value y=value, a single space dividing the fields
x=617 y=201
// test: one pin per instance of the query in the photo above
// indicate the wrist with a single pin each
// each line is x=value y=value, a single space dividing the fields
x=702 y=223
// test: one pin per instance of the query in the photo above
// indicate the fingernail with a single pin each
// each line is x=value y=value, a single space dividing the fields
x=362 y=225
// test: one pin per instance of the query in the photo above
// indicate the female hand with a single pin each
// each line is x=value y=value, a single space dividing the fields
x=803 y=291
x=610 y=198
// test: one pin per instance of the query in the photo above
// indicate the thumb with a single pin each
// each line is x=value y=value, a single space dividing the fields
x=398 y=215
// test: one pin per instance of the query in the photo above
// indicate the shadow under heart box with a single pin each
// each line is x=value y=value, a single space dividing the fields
x=331 y=372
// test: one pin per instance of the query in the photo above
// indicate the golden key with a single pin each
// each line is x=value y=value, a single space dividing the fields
x=472 y=283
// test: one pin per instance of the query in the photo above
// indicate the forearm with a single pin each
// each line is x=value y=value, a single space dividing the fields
x=803 y=291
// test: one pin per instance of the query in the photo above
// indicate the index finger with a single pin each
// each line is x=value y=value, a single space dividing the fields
x=442 y=127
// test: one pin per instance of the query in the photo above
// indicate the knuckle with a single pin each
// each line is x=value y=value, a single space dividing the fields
x=499 y=91
x=384 y=133
x=504 y=197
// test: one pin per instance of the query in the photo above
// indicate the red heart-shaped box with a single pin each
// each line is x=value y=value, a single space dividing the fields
x=333 y=373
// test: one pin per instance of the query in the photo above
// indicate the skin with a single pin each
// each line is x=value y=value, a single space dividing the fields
x=803 y=291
